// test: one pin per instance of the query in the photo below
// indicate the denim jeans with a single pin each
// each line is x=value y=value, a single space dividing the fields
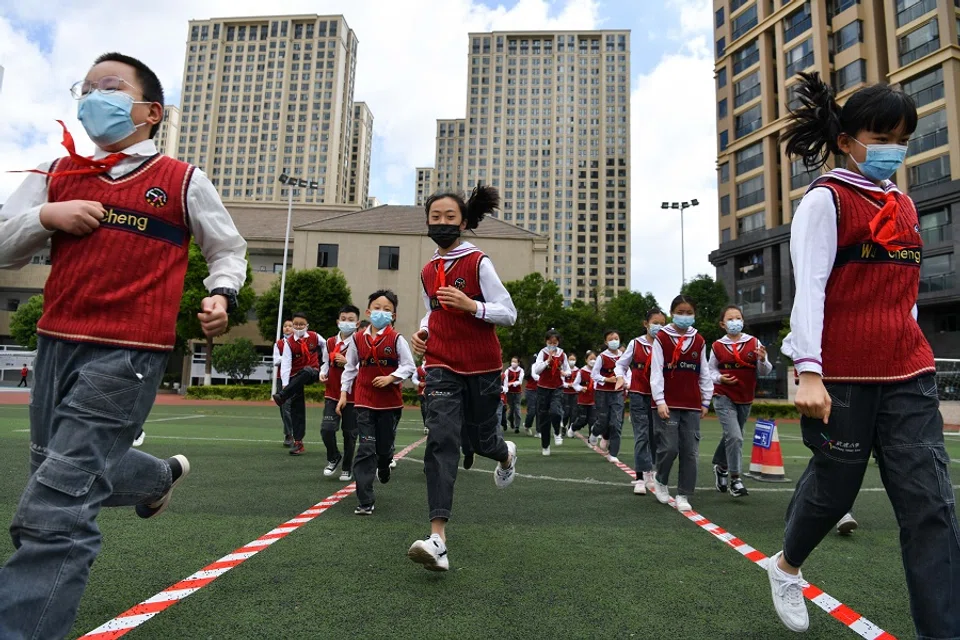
x=549 y=413
x=569 y=408
x=459 y=407
x=733 y=417
x=532 y=407
x=586 y=417
x=902 y=422
x=378 y=431
x=679 y=436
x=610 y=418
x=88 y=404
x=328 y=431
x=513 y=410
x=423 y=409
x=641 y=417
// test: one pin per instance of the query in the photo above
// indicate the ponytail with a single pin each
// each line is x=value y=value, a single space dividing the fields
x=815 y=125
x=483 y=200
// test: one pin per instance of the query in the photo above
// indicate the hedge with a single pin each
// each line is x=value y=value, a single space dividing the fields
x=313 y=393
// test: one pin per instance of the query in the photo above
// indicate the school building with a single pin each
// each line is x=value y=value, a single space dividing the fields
x=760 y=48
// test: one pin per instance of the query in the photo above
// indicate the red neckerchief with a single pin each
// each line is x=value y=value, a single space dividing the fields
x=441 y=279
x=737 y=350
x=90 y=166
x=677 y=352
x=374 y=343
x=883 y=227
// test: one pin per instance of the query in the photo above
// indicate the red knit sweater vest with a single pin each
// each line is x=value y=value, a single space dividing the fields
x=304 y=353
x=640 y=366
x=531 y=384
x=513 y=376
x=870 y=295
x=550 y=377
x=132 y=266
x=378 y=357
x=334 y=370
x=568 y=379
x=459 y=341
x=681 y=382
x=607 y=369
x=587 y=397
x=740 y=362
x=280 y=345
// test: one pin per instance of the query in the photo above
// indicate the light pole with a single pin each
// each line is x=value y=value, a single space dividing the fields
x=291 y=182
x=683 y=206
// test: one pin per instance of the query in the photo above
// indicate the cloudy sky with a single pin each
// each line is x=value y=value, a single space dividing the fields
x=411 y=70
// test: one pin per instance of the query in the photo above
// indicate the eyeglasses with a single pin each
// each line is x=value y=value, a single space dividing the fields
x=106 y=84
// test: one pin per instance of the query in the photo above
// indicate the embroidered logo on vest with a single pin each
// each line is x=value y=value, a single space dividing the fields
x=156 y=197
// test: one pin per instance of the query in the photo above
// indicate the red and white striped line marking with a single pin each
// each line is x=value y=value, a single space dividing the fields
x=136 y=616
x=850 y=618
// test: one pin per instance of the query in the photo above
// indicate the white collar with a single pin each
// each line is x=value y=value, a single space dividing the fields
x=855 y=179
x=464 y=248
x=611 y=354
x=343 y=340
x=146 y=148
x=676 y=334
x=743 y=337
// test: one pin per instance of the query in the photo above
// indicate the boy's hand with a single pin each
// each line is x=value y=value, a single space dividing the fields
x=663 y=411
x=762 y=353
x=727 y=380
x=619 y=382
x=813 y=400
x=213 y=316
x=419 y=342
x=383 y=381
x=340 y=359
x=323 y=378
x=76 y=217
x=453 y=298
x=704 y=411
x=342 y=403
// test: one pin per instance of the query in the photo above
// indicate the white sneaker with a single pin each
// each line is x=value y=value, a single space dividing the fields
x=650 y=481
x=569 y=433
x=662 y=492
x=612 y=459
x=393 y=464
x=592 y=440
x=431 y=553
x=346 y=476
x=140 y=438
x=558 y=440
x=683 y=504
x=787 y=594
x=635 y=481
x=639 y=489
x=847 y=525
x=504 y=477
x=546 y=451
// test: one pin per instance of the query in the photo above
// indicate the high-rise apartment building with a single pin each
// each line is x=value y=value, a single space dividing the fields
x=168 y=134
x=448 y=171
x=267 y=94
x=760 y=48
x=361 y=149
x=425 y=184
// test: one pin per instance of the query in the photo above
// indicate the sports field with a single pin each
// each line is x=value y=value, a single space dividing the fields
x=566 y=552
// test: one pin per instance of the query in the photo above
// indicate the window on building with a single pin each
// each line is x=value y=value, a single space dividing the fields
x=797 y=23
x=721 y=77
x=725 y=235
x=748 y=121
x=745 y=57
x=751 y=223
x=746 y=89
x=724 y=171
x=800 y=176
x=930 y=173
x=799 y=57
x=13 y=304
x=724 y=205
x=919 y=42
x=751 y=299
x=793 y=98
x=931 y=132
x=720 y=18
x=736 y=4
x=936 y=273
x=936 y=227
x=749 y=265
x=925 y=88
x=910 y=10
x=389 y=258
x=743 y=22
x=851 y=75
x=749 y=158
x=847 y=36
x=327 y=255
x=750 y=192
x=721 y=47
x=836 y=7
x=722 y=109
x=724 y=139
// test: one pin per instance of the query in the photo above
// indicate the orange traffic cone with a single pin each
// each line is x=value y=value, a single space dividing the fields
x=766 y=462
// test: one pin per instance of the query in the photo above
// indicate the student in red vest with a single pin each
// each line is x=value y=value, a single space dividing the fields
x=375 y=371
x=331 y=373
x=550 y=367
x=120 y=224
x=23 y=376
x=514 y=381
x=735 y=362
x=637 y=359
x=610 y=400
x=503 y=403
x=530 y=396
x=278 y=349
x=681 y=388
x=586 y=396
x=867 y=373
x=465 y=302
x=569 y=395
x=299 y=366
x=419 y=380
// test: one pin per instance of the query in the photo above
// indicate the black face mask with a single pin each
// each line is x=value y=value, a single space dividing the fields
x=443 y=234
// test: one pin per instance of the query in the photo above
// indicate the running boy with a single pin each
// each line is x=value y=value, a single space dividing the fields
x=331 y=374
x=375 y=370
x=550 y=367
x=120 y=224
x=465 y=300
x=278 y=349
x=299 y=366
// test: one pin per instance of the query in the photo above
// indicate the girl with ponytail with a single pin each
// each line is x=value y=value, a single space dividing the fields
x=465 y=300
x=866 y=370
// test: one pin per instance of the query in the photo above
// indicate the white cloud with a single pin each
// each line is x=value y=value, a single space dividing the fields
x=673 y=138
x=411 y=65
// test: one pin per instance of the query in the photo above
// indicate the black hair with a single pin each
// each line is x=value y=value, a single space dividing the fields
x=552 y=333
x=517 y=358
x=349 y=308
x=300 y=314
x=483 y=200
x=819 y=121
x=384 y=293
x=607 y=333
x=363 y=324
x=654 y=311
x=150 y=85
x=728 y=308
x=679 y=300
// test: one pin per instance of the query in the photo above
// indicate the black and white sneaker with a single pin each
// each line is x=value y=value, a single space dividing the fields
x=720 y=478
x=179 y=469
x=332 y=467
x=431 y=553
x=737 y=490
x=364 y=510
x=383 y=475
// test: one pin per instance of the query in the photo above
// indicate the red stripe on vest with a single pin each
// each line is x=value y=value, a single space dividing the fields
x=378 y=357
x=681 y=381
x=739 y=361
x=334 y=370
x=642 y=357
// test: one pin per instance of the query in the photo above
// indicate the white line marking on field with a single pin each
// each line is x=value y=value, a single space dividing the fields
x=176 y=418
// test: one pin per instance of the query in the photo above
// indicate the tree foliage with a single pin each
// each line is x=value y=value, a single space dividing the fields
x=711 y=297
x=237 y=359
x=539 y=306
x=626 y=313
x=319 y=293
x=23 y=322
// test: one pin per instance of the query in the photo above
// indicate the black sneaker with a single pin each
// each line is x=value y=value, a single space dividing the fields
x=720 y=478
x=468 y=460
x=737 y=490
x=331 y=467
x=288 y=441
x=179 y=469
x=278 y=399
x=364 y=510
x=383 y=474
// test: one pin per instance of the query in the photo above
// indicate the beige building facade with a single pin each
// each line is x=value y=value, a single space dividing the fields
x=168 y=135
x=361 y=150
x=426 y=182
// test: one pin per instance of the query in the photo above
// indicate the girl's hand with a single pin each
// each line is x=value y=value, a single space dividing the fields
x=619 y=382
x=340 y=359
x=762 y=352
x=323 y=378
x=383 y=381
x=663 y=411
x=813 y=401
x=341 y=404
x=704 y=411
x=453 y=298
x=728 y=380
x=419 y=342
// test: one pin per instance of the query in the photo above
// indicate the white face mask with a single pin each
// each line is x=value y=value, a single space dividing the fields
x=299 y=333
x=514 y=366
x=591 y=363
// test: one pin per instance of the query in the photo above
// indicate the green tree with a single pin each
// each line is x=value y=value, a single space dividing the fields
x=539 y=306
x=626 y=313
x=194 y=291
x=237 y=359
x=319 y=293
x=711 y=297
x=23 y=322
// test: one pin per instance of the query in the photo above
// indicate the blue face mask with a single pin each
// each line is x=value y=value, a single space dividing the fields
x=613 y=345
x=734 y=327
x=106 y=117
x=654 y=329
x=380 y=319
x=882 y=160
x=684 y=322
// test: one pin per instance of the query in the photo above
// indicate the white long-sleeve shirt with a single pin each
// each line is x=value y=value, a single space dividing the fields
x=598 y=377
x=404 y=370
x=286 y=360
x=763 y=366
x=344 y=344
x=541 y=364
x=657 y=364
x=623 y=362
x=497 y=307
x=519 y=382
x=813 y=250
x=22 y=235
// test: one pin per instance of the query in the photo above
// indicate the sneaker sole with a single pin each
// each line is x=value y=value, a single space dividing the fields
x=847 y=528
x=165 y=500
x=425 y=559
x=771 y=567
